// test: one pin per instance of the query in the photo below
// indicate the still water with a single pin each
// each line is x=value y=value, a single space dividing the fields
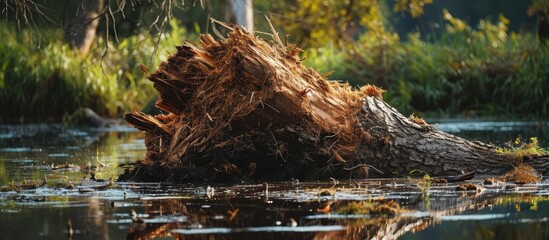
x=282 y=210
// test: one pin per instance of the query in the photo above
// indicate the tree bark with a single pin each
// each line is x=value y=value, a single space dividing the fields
x=543 y=27
x=81 y=28
x=410 y=146
x=243 y=108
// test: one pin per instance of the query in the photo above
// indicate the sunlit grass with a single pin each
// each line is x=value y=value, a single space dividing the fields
x=523 y=149
x=463 y=71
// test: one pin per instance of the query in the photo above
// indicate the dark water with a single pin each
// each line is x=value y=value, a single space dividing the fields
x=287 y=210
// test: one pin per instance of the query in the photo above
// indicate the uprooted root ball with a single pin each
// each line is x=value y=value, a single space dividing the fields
x=226 y=99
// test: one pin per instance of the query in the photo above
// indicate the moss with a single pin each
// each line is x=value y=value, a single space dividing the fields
x=522 y=173
x=523 y=150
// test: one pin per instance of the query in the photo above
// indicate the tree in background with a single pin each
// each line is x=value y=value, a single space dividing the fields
x=241 y=13
x=422 y=63
x=414 y=7
x=312 y=26
x=541 y=9
x=86 y=15
x=348 y=21
x=81 y=28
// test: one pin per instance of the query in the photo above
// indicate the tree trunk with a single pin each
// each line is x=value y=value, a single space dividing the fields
x=242 y=108
x=543 y=27
x=409 y=145
x=241 y=13
x=81 y=28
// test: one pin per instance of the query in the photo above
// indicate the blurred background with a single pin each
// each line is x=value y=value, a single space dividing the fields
x=435 y=58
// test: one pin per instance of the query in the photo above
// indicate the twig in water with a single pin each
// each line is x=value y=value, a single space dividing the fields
x=334 y=181
x=363 y=165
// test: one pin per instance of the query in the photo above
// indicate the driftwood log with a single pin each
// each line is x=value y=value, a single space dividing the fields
x=246 y=108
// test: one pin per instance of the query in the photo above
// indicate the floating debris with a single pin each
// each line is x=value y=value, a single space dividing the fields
x=521 y=175
x=326 y=192
x=458 y=178
x=136 y=218
x=468 y=187
x=491 y=181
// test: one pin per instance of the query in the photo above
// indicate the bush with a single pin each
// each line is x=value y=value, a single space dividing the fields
x=41 y=78
x=464 y=72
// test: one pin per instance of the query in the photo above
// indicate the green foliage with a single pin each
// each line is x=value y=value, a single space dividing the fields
x=327 y=59
x=486 y=70
x=465 y=71
x=417 y=172
x=312 y=26
x=539 y=6
x=50 y=80
x=414 y=7
x=524 y=149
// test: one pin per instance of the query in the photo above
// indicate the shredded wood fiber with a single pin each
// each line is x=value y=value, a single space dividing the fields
x=245 y=107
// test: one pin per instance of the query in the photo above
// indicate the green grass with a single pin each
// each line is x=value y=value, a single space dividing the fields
x=462 y=72
x=41 y=78
x=521 y=149
x=467 y=72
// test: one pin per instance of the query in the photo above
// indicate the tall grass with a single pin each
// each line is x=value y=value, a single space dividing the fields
x=47 y=81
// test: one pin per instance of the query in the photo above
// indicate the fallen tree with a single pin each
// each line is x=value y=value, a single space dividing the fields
x=246 y=108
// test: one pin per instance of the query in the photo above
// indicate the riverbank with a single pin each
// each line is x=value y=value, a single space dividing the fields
x=479 y=72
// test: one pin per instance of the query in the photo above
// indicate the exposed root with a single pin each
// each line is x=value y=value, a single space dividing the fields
x=240 y=95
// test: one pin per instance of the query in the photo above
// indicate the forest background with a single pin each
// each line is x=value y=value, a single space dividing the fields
x=436 y=59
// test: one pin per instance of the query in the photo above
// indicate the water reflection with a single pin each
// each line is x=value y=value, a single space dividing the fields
x=495 y=132
x=34 y=151
x=288 y=210
x=214 y=218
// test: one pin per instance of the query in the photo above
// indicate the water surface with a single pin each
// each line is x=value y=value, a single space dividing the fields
x=282 y=210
